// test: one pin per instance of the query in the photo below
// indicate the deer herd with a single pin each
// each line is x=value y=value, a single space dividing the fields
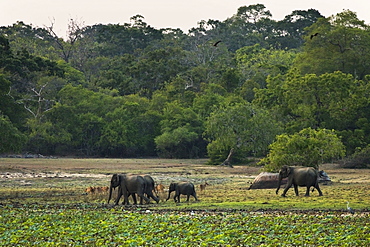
x=93 y=190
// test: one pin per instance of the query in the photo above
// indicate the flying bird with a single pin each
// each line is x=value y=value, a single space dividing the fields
x=215 y=44
x=313 y=35
x=350 y=209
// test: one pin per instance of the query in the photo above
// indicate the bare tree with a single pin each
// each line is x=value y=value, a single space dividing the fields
x=74 y=33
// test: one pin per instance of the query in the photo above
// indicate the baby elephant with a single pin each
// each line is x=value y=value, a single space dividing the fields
x=182 y=188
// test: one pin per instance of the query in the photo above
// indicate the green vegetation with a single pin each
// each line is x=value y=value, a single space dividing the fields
x=97 y=227
x=43 y=203
x=131 y=90
x=307 y=148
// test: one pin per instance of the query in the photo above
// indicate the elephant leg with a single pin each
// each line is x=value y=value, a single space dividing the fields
x=296 y=189
x=141 y=195
x=319 y=190
x=151 y=195
x=286 y=190
x=307 y=191
x=117 y=199
x=119 y=194
x=187 y=197
x=126 y=200
x=134 y=198
x=195 y=196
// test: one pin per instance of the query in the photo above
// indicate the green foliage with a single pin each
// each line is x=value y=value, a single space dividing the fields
x=109 y=227
x=133 y=90
x=256 y=63
x=308 y=147
x=11 y=139
x=331 y=100
x=130 y=129
x=181 y=131
x=242 y=126
x=342 y=44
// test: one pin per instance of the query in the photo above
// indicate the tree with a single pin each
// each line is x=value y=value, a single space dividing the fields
x=341 y=42
x=11 y=139
x=308 y=147
x=181 y=131
x=291 y=30
x=36 y=41
x=242 y=126
x=130 y=129
x=78 y=118
x=256 y=64
x=249 y=26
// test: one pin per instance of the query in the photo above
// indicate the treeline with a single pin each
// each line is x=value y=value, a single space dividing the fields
x=130 y=90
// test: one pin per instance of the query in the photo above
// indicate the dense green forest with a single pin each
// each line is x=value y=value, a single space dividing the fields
x=130 y=90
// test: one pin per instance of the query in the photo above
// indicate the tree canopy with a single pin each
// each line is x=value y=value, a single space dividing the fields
x=131 y=90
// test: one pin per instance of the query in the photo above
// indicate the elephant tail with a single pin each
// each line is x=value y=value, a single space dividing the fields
x=169 y=194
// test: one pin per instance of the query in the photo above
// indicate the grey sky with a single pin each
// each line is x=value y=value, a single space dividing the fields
x=183 y=14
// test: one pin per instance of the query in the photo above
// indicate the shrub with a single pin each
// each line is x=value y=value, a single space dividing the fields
x=360 y=159
x=308 y=147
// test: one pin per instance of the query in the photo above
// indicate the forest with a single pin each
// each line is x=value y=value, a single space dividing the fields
x=249 y=83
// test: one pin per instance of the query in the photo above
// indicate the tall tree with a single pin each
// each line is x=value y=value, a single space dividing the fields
x=340 y=42
x=291 y=30
x=241 y=126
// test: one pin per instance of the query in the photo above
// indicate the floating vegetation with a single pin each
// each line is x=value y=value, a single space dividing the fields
x=84 y=226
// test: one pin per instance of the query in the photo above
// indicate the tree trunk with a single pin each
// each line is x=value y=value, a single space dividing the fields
x=227 y=161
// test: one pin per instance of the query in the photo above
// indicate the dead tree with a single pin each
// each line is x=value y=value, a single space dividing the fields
x=227 y=161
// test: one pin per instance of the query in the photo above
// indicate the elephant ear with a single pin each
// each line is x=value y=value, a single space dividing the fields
x=173 y=186
x=288 y=170
x=116 y=179
x=285 y=171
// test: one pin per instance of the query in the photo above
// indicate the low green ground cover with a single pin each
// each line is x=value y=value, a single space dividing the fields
x=35 y=225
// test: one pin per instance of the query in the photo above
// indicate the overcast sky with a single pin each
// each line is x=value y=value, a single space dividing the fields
x=183 y=14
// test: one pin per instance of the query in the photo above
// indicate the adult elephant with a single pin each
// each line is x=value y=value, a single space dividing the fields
x=182 y=188
x=299 y=176
x=149 y=188
x=128 y=185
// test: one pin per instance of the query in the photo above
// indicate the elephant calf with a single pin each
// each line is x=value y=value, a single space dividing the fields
x=182 y=188
x=299 y=176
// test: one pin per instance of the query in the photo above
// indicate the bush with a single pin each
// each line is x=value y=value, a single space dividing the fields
x=360 y=159
x=308 y=147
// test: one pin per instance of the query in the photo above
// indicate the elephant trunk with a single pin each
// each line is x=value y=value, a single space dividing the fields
x=110 y=193
x=279 y=183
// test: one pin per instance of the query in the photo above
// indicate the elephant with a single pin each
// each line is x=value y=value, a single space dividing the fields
x=182 y=188
x=299 y=176
x=149 y=188
x=128 y=185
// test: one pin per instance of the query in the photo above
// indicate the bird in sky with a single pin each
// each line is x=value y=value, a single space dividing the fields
x=313 y=35
x=215 y=44
x=350 y=209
